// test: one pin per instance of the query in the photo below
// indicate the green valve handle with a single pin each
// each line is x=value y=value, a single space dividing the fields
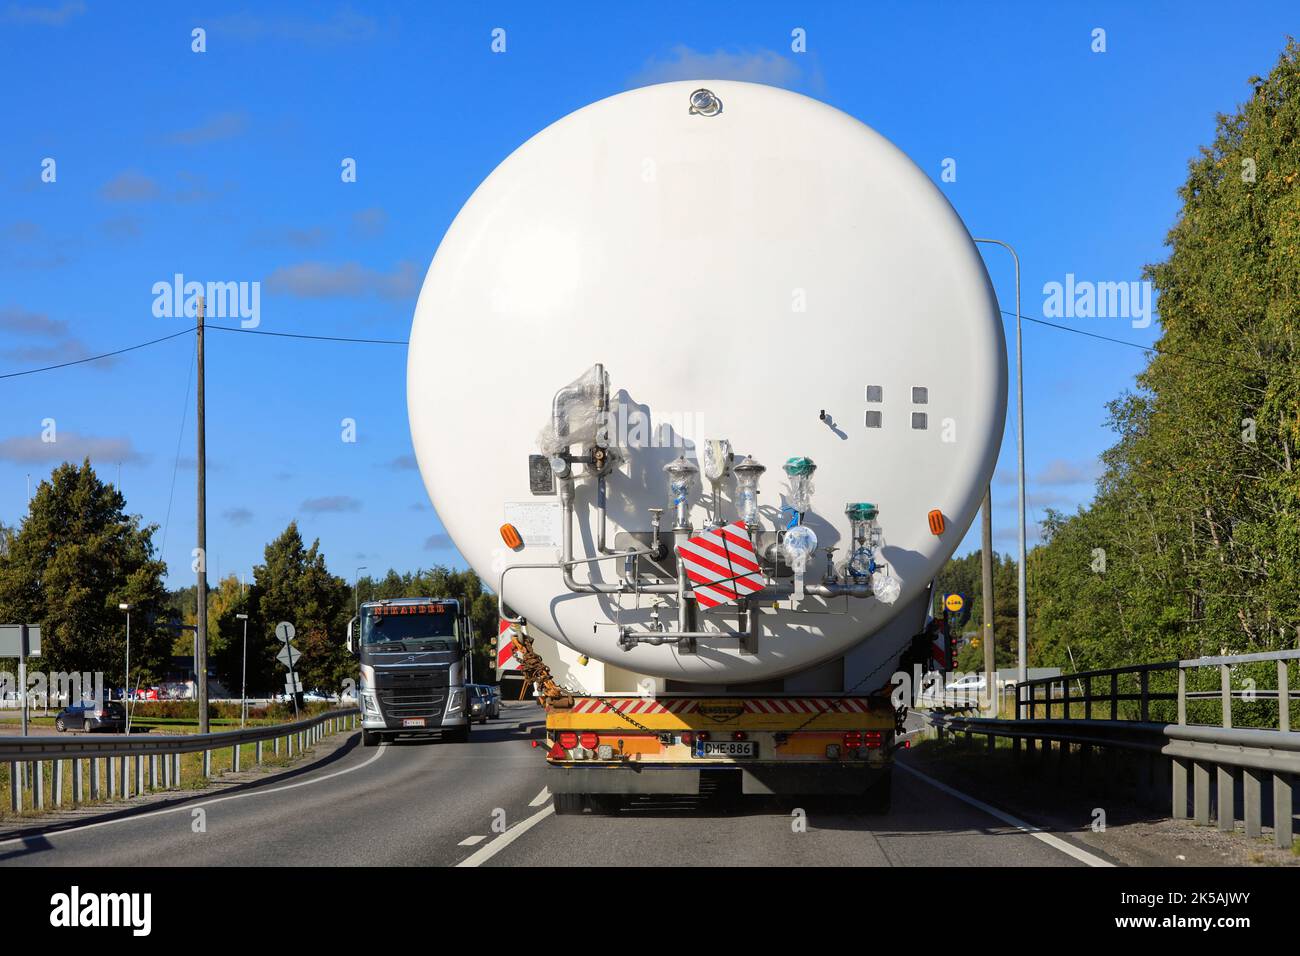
x=799 y=466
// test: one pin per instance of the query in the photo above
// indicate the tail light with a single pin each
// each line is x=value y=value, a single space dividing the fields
x=568 y=740
x=688 y=738
x=589 y=741
x=852 y=739
x=558 y=753
x=702 y=735
x=739 y=735
x=874 y=739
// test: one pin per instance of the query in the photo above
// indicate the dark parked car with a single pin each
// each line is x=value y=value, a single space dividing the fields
x=110 y=715
x=483 y=703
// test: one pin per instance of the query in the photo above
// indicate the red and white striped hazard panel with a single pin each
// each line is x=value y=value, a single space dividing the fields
x=506 y=659
x=721 y=565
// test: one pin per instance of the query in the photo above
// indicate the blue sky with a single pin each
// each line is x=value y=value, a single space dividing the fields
x=225 y=166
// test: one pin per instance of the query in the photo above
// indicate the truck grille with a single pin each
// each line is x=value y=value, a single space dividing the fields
x=412 y=701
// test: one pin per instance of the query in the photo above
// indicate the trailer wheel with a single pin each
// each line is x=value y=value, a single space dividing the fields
x=369 y=738
x=567 y=804
x=879 y=797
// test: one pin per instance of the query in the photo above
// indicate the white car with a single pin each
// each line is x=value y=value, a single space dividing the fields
x=972 y=682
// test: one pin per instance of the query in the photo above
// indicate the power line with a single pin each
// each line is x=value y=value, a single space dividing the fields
x=96 y=358
x=317 y=338
x=1133 y=345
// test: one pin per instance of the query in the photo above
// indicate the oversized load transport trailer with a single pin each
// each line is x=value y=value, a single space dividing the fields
x=793 y=400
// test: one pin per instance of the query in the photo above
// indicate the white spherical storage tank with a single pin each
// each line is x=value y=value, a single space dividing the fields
x=744 y=264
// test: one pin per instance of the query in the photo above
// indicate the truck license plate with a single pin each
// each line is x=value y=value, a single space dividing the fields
x=413 y=722
x=726 y=748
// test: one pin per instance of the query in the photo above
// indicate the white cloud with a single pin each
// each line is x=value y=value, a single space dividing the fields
x=344 y=26
x=44 y=16
x=370 y=222
x=130 y=186
x=1061 y=472
x=237 y=516
x=331 y=504
x=320 y=280
x=215 y=128
x=753 y=66
x=21 y=322
x=70 y=446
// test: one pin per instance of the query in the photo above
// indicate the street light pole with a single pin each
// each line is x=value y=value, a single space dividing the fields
x=201 y=634
x=243 y=677
x=1022 y=640
x=127 y=608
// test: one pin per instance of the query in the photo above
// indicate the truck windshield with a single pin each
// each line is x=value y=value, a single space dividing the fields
x=422 y=632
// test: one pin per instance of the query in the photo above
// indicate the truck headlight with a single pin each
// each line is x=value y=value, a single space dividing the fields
x=369 y=702
x=455 y=702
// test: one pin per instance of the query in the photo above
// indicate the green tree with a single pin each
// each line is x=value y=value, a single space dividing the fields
x=293 y=585
x=76 y=556
x=1192 y=544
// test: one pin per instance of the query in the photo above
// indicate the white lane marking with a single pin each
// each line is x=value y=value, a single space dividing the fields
x=1056 y=843
x=485 y=853
x=541 y=798
x=472 y=840
x=185 y=808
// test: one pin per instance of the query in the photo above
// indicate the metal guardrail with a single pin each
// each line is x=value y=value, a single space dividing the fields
x=1176 y=752
x=109 y=756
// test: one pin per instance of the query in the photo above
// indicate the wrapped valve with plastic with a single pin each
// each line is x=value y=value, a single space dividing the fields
x=865 y=535
x=800 y=472
x=861 y=564
x=578 y=413
x=800 y=541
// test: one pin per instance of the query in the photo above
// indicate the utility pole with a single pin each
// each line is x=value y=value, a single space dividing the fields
x=201 y=633
x=1022 y=639
x=986 y=562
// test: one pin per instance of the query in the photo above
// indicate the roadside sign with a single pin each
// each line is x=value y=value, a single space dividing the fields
x=11 y=640
x=293 y=684
x=288 y=656
x=285 y=632
x=954 y=602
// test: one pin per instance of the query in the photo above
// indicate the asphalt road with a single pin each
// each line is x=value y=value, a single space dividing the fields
x=485 y=803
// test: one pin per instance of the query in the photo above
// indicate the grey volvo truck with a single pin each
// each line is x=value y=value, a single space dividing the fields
x=413 y=654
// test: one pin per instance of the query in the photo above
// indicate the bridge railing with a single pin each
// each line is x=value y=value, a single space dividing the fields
x=1173 y=691
x=1191 y=719
x=116 y=765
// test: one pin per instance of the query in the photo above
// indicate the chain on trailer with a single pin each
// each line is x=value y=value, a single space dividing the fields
x=537 y=672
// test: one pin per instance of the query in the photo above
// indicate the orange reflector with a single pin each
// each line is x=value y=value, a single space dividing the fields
x=510 y=535
x=936 y=521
